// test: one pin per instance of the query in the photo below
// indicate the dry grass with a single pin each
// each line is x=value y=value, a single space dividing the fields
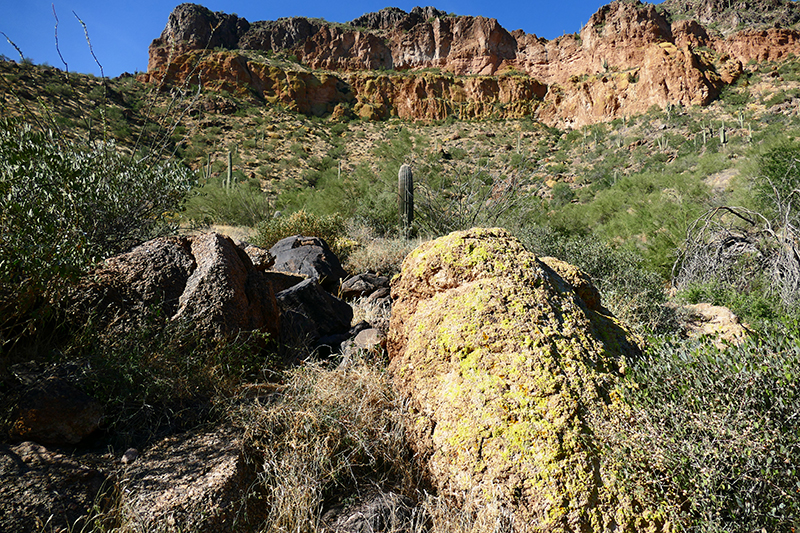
x=330 y=433
x=380 y=255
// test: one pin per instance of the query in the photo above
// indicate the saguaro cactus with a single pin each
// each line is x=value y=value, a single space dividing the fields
x=405 y=199
x=229 y=175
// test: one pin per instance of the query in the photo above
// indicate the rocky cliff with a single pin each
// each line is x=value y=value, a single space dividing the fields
x=429 y=65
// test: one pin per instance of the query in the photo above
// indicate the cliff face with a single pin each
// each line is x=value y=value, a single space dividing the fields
x=626 y=59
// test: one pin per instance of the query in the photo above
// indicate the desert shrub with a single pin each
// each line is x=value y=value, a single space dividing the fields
x=713 y=434
x=751 y=251
x=66 y=204
x=330 y=228
x=163 y=376
x=374 y=253
x=329 y=433
x=632 y=291
x=462 y=198
x=243 y=203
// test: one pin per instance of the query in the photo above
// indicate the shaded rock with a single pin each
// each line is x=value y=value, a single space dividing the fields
x=280 y=34
x=309 y=313
x=363 y=285
x=385 y=19
x=376 y=511
x=580 y=281
x=505 y=368
x=39 y=486
x=131 y=287
x=281 y=281
x=55 y=412
x=310 y=257
x=194 y=482
x=369 y=341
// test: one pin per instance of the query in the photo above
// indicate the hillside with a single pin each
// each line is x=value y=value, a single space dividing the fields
x=542 y=349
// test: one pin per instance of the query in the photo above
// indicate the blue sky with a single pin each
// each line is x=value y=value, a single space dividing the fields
x=121 y=30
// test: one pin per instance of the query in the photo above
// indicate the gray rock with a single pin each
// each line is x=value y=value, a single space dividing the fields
x=376 y=511
x=205 y=280
x=40 y=486
x=310 y=257
x=309 y=313
x=363 y=285
x=188 y=482
x=226 y=294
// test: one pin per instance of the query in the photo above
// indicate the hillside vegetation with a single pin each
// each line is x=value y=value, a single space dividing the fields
x=674 y=206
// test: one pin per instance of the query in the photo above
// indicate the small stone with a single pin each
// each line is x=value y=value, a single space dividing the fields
x=129 y=456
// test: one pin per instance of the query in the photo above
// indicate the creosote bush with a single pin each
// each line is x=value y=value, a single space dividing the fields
x=330 y=228
x=715 y=432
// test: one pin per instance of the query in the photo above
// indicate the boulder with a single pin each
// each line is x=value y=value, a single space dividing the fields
x=309 y=313
x=310 y=257
x=190 y=482
x=226 y=294
x=714 y=321
x=205 y=280
x=54 y=412
x=363 y=285
x=40 y=486
x=505 y=368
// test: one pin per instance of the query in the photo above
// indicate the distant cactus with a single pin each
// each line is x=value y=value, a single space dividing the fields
x=229 y=177
x=405 y=200
x=723 y=135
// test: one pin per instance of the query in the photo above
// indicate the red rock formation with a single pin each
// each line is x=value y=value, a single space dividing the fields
x=333 y=49
x=462 y=45
x=625 y=60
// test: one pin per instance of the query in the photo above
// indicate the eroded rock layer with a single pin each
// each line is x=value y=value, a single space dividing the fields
x=626 y=59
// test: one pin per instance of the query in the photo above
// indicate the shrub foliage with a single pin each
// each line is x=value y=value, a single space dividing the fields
x=65 y=205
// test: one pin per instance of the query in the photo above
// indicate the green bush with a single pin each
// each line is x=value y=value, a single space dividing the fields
x=65 y=205
x=778 y=176
x=330 y=228
x=714 y=434
x=241 y=204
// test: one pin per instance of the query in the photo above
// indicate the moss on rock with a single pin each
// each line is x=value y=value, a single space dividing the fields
x=505 y=365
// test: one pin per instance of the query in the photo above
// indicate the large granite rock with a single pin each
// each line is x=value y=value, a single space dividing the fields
x=505 y=366
x=191 y=482
x=206 y=280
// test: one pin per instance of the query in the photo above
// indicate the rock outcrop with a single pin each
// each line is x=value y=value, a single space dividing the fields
x=310 y=257
x=206 y=280
x=626 y=59
x=191 y=482
x=505 y=365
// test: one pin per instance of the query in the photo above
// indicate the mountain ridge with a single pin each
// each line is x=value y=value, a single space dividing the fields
x=627 y=58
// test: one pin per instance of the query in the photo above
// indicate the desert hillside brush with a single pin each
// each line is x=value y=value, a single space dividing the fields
x=330 y=228
x=715 y=432
x=65 y=205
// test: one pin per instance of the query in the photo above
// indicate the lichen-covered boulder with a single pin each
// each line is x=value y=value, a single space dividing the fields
x=505 y=367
